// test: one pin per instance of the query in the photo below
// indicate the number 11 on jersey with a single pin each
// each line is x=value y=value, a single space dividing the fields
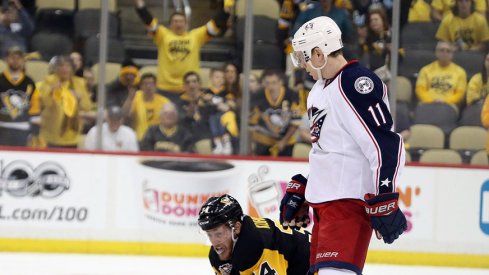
x=372 y=112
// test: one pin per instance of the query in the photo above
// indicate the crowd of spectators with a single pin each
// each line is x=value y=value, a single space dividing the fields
x=171 y=110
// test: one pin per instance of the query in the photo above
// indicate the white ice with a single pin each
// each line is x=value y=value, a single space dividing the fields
x=91 y=264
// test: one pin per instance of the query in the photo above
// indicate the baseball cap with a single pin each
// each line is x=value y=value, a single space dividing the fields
x=115 y=112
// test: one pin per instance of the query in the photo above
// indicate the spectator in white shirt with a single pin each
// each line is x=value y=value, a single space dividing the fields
x=115 y=136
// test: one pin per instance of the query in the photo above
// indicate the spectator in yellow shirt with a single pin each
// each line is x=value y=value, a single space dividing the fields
x=441 y=8
x=478 y=87
x=465 y=27
x=442 y=80
x=142 y=107
x=178 y=49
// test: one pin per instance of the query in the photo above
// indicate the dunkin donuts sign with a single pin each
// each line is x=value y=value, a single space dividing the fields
x=174 y=191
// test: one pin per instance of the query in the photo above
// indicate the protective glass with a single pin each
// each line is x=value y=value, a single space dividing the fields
x=299 y=59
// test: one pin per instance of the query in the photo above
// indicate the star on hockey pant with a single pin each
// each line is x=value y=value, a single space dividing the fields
x=293 y=204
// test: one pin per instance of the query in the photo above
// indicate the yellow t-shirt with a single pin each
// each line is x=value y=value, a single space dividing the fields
x=60 y=121
x=485 y=119
x=177 y=55
x=476 y=90
x=419 y=12
x=446 y=6
x=146 y=113
x=472 y=30
x=441 y=83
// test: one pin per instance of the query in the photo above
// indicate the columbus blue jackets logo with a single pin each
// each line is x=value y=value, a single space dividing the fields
x=317 y=117
x=364 y=85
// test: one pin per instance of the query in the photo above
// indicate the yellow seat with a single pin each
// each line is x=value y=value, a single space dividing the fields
x=480 y=158
x=468 y=138
x=3 y=65
x=37 y=69
x=426 y=137
x=56 y=4
x=95 y=4
x=404 y=89
x=111 y=71
x=301 y=150
x=148 y=69
x=204 y=147
x=268 y=8
x=441 y=156
x=204 y=77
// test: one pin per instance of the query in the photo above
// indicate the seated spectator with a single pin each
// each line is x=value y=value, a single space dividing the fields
x=192 y=104
x=464 y=27
x=178 y=49
x=275 y=117
x=442 y=80
x=218 y=109
x=17 y=102
x=65 y=102
x=142 y=107
x=120 y=88
x=90 y=80
x=478 y=87
x=16 y=27
x=378 y=43
x=168 y=135
x=485 y=119
x=442 y=8
x=231 y=81
x=78 y=61
x=115 y=135
x=254 y=84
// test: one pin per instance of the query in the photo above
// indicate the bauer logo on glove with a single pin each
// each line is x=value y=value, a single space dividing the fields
x=294 y=210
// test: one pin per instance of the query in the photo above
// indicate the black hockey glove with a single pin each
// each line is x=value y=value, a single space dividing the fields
x=294 y=210
x=387 y=219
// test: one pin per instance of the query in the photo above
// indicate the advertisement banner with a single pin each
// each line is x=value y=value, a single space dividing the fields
x=49 y=192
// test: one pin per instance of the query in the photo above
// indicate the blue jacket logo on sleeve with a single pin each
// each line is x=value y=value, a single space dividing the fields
x=364 y=85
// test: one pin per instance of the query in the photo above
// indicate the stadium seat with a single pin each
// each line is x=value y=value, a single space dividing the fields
x=204 y=76
x=471 y=115
x=442 y=115
x=467 y=140
x=95 y=4
x=55 y=16
x=268 y=8
x=441 y=156
x=115 y=50
x=423 y=137
x=419 y=35
x=111 y=71
x=404 y=91
x=148 y=69
x=37 y=69
x=414 y=60
x=51 y=44
x=267 y=56
x=301 y=150
x=56 y=4
x=87 y=24
x=204 y=146
x=264 y=31
x=480 y=158
x=471 y=61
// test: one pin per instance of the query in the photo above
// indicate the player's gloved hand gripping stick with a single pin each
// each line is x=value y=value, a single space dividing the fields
x=387 y=219
x=294 y=210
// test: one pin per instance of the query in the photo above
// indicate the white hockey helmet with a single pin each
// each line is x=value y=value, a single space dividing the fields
x=321 y=32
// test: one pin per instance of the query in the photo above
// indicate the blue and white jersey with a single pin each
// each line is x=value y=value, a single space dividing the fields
x=354 y=149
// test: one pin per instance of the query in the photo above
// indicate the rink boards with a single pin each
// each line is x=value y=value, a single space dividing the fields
x=148 y=204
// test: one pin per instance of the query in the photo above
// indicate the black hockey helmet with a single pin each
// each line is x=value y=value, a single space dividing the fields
x=219 y=210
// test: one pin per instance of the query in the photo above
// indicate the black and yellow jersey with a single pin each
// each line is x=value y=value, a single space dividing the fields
x=264 y=247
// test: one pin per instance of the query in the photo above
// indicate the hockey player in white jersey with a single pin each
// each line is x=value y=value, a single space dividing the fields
x=355 y=160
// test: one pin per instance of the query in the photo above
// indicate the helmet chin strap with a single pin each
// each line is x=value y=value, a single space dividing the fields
x=318 y=70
